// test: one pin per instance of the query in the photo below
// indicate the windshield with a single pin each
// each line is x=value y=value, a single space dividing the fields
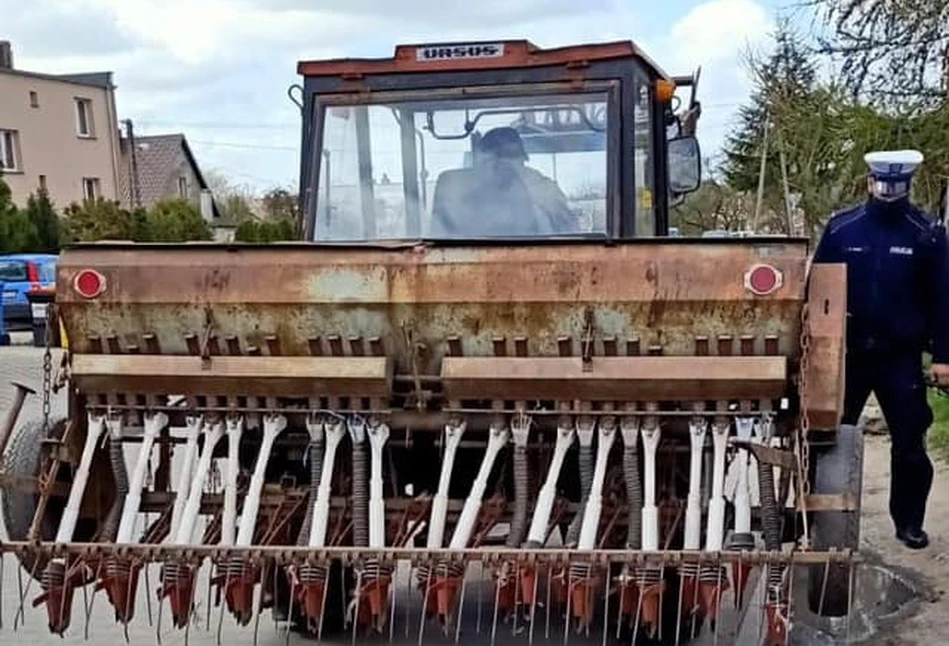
x=528 y=166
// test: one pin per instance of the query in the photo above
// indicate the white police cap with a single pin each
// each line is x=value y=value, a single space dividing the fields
x=893 y=164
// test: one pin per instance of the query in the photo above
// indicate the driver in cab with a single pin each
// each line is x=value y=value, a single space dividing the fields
x=501 y=196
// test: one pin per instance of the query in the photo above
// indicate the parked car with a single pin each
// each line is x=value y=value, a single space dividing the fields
x=20 y=274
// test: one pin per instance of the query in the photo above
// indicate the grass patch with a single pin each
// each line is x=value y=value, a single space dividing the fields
x=939 y=431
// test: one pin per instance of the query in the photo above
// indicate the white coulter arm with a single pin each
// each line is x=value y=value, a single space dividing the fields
x=436 y=525
x=97 y=426
x=744 y=427
x=335 y=432
x=154 y=423
x=273 y=427
x=235 y=428
x=693 y=510
x=469 y=513
x=715 y=532
x=537 y=534
x=213 y=432
x=194 y=425
x=591 y=515
x=378 y=436
x=651 y=433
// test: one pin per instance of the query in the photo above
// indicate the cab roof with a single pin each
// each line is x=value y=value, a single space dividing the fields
x=472 y=56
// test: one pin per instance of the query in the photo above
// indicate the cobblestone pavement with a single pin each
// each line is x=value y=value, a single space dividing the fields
x=23 y=363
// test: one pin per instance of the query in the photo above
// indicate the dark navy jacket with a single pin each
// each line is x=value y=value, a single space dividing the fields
x=897 y=277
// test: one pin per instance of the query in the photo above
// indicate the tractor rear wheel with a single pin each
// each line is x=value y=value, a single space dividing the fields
x=22 y=463
x=837 y=470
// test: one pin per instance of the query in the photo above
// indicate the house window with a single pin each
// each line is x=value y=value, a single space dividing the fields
x=90 y=188
x=9 y=151
x=42 y=182
x=182 y=187
x=34 y=100
x=84 y=123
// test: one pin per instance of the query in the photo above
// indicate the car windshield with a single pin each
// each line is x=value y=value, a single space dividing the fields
x=12 y=271
x=524 y=166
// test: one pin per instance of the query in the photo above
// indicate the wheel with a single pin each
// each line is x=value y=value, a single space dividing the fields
x=23 y=459
x=838 y=470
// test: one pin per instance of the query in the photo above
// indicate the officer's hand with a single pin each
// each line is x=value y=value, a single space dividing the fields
x=940 y=373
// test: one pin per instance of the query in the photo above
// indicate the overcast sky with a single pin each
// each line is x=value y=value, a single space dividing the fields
x=218 y=70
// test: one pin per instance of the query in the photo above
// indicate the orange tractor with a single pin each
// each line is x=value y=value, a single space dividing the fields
x=485 y=372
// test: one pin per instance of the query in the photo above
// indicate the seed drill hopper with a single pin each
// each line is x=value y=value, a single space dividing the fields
x=475 y=398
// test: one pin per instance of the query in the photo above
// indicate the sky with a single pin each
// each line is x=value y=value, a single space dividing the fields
x=219 y=70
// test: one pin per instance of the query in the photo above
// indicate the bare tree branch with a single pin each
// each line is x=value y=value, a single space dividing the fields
x=894 y=53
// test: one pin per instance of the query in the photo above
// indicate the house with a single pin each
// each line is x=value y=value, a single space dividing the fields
x=58 y=132
x=162 y=167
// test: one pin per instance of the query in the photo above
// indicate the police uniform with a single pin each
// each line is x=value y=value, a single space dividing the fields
x=898 y=308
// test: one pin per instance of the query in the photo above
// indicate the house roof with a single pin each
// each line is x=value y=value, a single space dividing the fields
x=155 y=158
x=101 y=80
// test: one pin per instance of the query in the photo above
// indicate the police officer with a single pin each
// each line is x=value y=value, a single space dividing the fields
x=898 y=308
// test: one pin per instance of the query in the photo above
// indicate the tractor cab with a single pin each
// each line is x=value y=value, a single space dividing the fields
x=494 y=141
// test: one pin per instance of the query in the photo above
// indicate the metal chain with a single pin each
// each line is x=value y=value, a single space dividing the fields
x=803 y=447
x=47 y=368
x=805 y=424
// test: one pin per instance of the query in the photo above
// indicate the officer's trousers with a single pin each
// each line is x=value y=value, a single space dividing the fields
x=896 y=378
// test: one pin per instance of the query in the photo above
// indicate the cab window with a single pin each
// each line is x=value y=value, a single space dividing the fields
x=531 y=165
x=643 y=158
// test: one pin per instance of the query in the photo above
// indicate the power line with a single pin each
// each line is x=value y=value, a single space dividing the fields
x=222 y=125
x=230 y=144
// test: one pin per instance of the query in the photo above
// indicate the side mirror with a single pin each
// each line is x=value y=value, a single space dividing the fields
x=685 y=165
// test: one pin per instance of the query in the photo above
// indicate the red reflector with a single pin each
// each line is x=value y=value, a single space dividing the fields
x=89 y=283
x=763 y=279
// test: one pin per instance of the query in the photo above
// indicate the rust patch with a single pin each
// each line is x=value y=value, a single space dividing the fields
x=650 y=378
x=827 y=319
x=300 y=302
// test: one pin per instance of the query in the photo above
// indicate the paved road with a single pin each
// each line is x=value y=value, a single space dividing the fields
x=22 y=363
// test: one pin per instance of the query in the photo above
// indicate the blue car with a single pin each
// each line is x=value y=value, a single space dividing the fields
x=19 y=274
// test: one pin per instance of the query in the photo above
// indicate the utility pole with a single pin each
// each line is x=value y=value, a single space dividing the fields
x=786 y=185
x=134 y=188
x=761 y=172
